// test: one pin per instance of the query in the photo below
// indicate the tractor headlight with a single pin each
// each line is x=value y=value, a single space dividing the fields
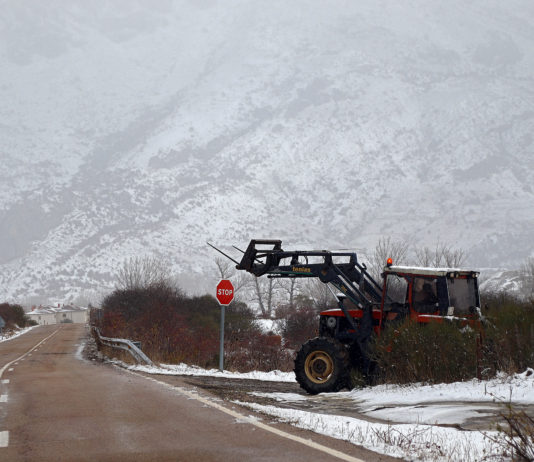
x=331 y=322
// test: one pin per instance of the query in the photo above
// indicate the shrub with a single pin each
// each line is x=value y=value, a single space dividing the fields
x=509 y=336
x=299 y=326
x=516 y=435
x=257 y=351
x=175 y=328
x=171 y=326
x=446 y=352
x=14 y=315
x=435 y=353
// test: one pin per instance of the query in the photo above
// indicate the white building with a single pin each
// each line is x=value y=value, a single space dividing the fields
x=44 y=315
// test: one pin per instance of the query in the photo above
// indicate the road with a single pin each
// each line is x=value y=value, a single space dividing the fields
x=57 y=406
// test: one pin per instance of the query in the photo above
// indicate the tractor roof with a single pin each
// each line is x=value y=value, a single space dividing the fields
x=414 y=270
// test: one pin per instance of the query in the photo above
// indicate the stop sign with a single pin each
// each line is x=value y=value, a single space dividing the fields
x=225 y=292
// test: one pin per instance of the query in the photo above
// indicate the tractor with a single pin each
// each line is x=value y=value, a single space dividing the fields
x=365 y=307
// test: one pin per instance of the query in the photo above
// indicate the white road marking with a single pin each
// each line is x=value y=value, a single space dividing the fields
x=5 y=381
x=4 y=435
x=21 y=357
x=312 y=444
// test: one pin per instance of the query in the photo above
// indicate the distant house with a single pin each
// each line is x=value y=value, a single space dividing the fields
x=44 y=315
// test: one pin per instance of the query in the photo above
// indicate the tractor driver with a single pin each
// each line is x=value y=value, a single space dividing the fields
x=425 y=298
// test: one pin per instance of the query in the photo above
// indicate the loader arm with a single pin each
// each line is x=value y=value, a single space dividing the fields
x=350 y=277
x=341 y=269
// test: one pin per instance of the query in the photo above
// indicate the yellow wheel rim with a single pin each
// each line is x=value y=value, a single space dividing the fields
x=319 y=366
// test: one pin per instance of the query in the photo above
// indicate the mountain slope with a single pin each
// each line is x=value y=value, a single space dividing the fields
x=132 y=129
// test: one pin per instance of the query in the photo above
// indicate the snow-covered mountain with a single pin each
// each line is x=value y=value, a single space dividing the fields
x=130 y=129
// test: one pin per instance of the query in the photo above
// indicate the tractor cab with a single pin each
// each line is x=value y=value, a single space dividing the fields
x=427 y=293
x=422 y=294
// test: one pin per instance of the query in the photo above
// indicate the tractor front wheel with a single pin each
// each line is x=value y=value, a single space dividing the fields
x=322 y=365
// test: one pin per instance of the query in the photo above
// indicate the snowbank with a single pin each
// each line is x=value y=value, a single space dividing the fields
x=413 y=442
x=184 y=369
x=517 y=388
x=14 y=334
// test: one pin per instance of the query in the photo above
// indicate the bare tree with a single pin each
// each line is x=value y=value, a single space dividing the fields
x=224 y=268
x=387 y=248
x=453 y=258
x=527 y=277
x=143 y=272
x=320 y=294
x=88 y=297
x=227 y=270
x=291 y=287
x=440 y=256
x=264 y=293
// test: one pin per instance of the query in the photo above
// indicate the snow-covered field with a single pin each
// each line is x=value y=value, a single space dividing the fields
x=415 y=422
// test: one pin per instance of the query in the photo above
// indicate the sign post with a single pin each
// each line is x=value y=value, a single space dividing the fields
x=225 y=295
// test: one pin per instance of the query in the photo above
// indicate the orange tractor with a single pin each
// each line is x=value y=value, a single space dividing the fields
x=365 y=307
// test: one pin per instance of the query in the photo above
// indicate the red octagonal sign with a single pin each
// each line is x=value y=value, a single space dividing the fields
x=225 y=292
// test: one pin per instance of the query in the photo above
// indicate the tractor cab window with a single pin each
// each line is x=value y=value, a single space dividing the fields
x=396 y=290
x=462 y=295
x=425 y=295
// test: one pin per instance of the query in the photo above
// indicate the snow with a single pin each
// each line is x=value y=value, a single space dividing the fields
x=79 y=351
x=452 y=414
x=285 y=116
x=415 y=414
x=421 y=422
x=426 y=270
x=517 y=388
x=269 y=325
x=413 y=442
x=184 y=369
x=14 y=334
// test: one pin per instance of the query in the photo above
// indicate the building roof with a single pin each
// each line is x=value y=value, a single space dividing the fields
x=49 y=309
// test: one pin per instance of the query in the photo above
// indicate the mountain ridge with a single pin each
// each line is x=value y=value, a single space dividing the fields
x=139 y=129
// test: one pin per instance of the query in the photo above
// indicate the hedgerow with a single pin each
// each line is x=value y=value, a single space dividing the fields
x=174 y=328
x=450 y=351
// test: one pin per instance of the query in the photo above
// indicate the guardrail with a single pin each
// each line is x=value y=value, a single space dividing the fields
x=123 y=344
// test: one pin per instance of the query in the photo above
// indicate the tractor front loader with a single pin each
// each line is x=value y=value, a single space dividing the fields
x=365 y=307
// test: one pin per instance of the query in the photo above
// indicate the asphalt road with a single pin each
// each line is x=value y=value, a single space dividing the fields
x=57 y=406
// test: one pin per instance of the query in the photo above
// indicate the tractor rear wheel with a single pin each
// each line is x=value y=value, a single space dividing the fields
x=322 y=365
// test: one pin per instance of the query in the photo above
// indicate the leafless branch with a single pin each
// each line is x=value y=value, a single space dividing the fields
x=143 y=272
x=440 y=256
x=387 y=248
